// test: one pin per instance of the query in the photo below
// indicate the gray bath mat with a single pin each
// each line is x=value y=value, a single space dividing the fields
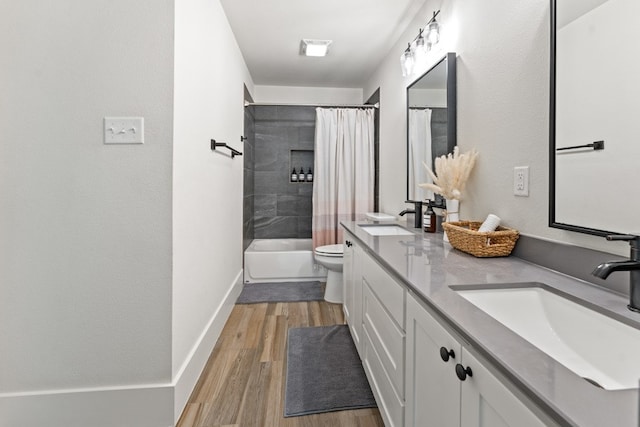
x=324 y=372
x=255 y=293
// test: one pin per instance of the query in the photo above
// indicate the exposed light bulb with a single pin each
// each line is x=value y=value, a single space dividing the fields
x=421 y=50
x=433 y=34
x=407 y=62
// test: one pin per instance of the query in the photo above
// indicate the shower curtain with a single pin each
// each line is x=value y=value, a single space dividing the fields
x=419 y=152
x=343 y=170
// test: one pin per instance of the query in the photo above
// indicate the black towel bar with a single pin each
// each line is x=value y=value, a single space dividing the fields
x=234 y=152
x=597 y=145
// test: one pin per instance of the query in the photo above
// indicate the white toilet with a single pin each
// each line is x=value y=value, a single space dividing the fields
x=330 y=257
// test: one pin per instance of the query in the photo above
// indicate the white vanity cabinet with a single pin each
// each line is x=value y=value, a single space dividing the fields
x=410 y=357
x=383 y=339
x=352 y=288
x=437 y=396
x=433 y=390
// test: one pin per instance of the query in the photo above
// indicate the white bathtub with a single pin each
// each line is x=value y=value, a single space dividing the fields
x=281 y=260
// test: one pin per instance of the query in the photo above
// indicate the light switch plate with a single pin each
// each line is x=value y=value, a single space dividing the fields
x=124 y=130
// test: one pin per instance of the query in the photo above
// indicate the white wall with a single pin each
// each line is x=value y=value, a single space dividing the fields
x=207 y=185
x=307 y=95
x=433 y=98
x=503 y=109
x=85 y=252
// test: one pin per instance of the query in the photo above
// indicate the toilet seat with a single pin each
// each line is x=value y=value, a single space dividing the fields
x=330 y=250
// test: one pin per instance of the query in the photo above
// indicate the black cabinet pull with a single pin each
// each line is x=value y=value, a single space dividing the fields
x=446 y=354
x=462 y=372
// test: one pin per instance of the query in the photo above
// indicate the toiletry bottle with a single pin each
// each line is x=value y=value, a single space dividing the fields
x=429 y=219
x=294 y=175
x=309 y=176
x=301 y=175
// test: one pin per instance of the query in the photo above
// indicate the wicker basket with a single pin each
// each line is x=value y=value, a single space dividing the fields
x=464 y=235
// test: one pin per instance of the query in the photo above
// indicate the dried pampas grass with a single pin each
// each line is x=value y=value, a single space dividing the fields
x=452 y=172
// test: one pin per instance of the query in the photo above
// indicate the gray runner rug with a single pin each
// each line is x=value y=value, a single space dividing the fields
x=255 y=293
x=324 y=372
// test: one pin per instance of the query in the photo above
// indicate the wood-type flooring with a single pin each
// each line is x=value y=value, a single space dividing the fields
x=243 y=382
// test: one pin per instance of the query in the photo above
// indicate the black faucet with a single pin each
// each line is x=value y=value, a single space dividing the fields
x=417 y=221
x=631 y=265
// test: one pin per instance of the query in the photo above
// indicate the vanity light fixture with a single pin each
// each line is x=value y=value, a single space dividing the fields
x=309 y=47
x=406 y=61
x=415 y=55
x=433 y=33
x=422 y=47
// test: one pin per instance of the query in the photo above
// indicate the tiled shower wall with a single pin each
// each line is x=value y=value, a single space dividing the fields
x=439 y=132
x=281 y=209
x=248 y=232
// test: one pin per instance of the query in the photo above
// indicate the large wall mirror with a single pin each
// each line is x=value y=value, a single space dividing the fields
x=431 y=122
x=595 y=122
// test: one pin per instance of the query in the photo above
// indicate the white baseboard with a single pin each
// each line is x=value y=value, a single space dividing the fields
x=187 y=377
x=147 y=406
x=132 y=406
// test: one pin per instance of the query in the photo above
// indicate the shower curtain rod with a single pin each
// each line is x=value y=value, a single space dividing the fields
x=266 y=104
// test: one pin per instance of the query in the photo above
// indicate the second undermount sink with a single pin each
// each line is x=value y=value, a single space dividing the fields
x=385 y=230
x=598 y=348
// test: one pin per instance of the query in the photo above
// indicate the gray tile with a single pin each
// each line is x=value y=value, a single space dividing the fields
x=265 y=205
x=276 y=227
x=274 y=183
x=293 y=136
x=304 y=227
x=304 y=206
x=287 y=205
x=265 y=112
x=297 y=142
x=247 y=207
x=439 y=132
x=248 y=182
x=266 y=182
x=439 y=115
x=307 y=135
x=306 y=189
x=266 y=158
x=270 y=134
x=295 y=113
x=249 y=154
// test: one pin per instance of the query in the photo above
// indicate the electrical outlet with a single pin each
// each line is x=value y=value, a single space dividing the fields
x=521 y=181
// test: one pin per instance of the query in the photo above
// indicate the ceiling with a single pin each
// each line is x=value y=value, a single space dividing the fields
x=363 y=32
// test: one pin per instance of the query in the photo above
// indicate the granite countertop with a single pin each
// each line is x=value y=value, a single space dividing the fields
x=427 y=266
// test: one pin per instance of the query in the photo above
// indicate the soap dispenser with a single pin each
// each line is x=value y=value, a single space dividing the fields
x=301 y=175
x=310 y=175
x=294 y=175
x=429 y=219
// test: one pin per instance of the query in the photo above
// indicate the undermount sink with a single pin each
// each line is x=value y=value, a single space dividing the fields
x=602 y=350
x=385 y=230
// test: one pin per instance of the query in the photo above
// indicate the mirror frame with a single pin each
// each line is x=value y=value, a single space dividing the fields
x=552 y=141
x=450 y=61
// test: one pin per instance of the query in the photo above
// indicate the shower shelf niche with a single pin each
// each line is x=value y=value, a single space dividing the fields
x=300 y=159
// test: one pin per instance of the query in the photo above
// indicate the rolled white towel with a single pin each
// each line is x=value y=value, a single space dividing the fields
x=490 y=224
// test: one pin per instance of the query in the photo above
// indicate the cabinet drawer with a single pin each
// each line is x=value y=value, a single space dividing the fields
x=385 y=337
x=390 y=405
x=386 y=289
